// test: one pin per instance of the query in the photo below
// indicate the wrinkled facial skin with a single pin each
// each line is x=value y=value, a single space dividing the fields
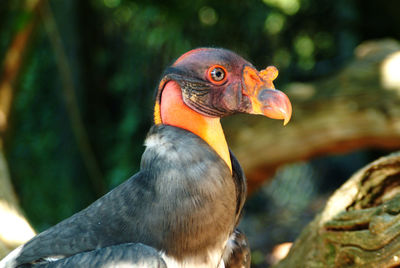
x=198 y=92
x=242 y=91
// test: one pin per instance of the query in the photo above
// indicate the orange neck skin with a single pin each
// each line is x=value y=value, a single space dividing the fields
x=175 y=112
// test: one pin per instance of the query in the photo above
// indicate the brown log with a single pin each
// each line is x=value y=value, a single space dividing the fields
x=360 y=225
x=356 y=108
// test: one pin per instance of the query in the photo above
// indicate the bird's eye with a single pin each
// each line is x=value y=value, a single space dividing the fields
x=217 y=74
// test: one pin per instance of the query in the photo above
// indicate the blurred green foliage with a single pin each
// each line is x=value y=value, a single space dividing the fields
x=117 y=50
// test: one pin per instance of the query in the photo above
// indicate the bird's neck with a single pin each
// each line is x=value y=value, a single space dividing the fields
x=175 y=112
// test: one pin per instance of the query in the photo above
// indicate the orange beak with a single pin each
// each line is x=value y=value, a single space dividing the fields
x=265 y=99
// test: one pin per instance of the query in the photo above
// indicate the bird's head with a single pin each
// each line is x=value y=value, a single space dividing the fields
x=217 y=82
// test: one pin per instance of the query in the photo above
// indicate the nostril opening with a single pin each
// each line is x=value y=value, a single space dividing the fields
x=254 y=77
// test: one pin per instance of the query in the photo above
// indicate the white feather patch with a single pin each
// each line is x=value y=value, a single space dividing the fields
x=159 y=144
x=230 y=245
x=214 y=259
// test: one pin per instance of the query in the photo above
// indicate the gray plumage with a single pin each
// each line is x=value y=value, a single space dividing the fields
x=180 y=203
x=123 y=256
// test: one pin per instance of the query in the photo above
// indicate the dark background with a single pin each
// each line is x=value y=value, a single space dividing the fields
x=116 y=51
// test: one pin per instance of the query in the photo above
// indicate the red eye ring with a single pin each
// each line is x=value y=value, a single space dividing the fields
x=217 y=74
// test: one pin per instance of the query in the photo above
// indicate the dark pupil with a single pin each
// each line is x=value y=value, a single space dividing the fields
x=217 y=74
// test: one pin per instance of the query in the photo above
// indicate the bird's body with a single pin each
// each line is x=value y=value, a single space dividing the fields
x=157 y=207
x=185 y=202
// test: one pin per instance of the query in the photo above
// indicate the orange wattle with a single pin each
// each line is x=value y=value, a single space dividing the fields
x=175 y=112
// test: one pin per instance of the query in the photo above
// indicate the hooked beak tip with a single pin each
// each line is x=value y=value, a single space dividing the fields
x=287 y=114
x=274 y=104
x=286 y=120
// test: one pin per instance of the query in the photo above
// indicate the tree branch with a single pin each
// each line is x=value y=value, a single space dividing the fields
x=13 y=60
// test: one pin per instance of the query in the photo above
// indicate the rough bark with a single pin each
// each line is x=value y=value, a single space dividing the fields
x=356 y=108
x=360 y=225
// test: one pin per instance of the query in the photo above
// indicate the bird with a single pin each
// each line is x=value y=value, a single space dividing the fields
x=183 y=207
